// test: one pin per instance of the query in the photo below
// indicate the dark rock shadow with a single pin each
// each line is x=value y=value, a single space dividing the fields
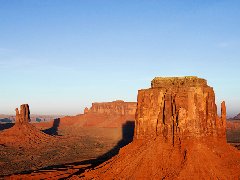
x=4 y=126
x=127 y=137
x=5 y=120
x=53 y=131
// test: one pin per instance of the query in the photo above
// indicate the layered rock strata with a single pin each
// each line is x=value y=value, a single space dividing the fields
x=117 y=107
x=179 y=107
x=109 y=114
x=178 y=135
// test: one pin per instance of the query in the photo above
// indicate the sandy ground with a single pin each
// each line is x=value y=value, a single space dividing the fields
x=72 y=147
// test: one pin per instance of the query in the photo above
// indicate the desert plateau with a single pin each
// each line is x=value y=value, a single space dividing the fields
x=119 y=90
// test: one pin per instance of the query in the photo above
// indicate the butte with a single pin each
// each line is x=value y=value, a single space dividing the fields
x=178 y=135
x=23 y=134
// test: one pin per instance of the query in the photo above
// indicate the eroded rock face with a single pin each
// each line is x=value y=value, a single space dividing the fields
x=24 y=115
x=178 y=135
x=118 y=107
x=176 y=108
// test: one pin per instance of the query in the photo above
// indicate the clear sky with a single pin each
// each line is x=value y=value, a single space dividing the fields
x=61 y=55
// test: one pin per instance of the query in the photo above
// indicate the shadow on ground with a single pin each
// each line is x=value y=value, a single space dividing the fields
x=4 y=126
x=53 y=131
x=127 y=137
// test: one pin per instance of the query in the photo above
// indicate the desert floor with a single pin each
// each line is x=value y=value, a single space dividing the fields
x=74 y=149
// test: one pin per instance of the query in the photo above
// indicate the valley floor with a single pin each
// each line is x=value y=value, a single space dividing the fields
x=74 y=150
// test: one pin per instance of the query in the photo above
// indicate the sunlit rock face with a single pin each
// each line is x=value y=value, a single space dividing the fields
x=117 y=107
x=178 y=135
x=175 y=108
x=24 y=115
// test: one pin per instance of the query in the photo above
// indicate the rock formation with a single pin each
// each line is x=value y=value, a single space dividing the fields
x=103 y=114
x=179 y=107
x=23 y=134
x=178 y=135
x=24 y=115
x=108 y=114
x=117 y=107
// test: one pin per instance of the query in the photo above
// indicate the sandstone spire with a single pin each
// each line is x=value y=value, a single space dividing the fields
x=24 y=134
x=24 y=115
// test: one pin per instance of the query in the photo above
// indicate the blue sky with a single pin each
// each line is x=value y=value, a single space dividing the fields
x=61 y=55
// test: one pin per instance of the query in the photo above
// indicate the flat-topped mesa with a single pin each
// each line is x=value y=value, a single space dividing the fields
x=178 y=107
x=117 y=107
x=24 y=115
x=186 y=81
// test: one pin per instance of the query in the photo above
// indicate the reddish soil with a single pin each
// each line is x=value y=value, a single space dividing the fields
x=78 y=148
x=67 y=149
x=67 y=143
x=158 y=160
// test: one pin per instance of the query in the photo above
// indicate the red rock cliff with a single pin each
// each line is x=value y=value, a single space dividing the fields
x=118 y=107
x=178 y=135
x=178 y=107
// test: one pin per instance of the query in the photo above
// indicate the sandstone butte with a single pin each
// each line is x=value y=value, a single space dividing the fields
x=23 y=134
x=118 y=107
x=178 y=135
x=104 y=114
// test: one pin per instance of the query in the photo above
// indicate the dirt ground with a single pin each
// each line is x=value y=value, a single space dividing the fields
x=73 y=147
x=73 y=150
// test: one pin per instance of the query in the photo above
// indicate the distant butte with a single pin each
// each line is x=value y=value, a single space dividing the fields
x=104 y=114
x=118 y=107
x=178 y=135
x=110 y=114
